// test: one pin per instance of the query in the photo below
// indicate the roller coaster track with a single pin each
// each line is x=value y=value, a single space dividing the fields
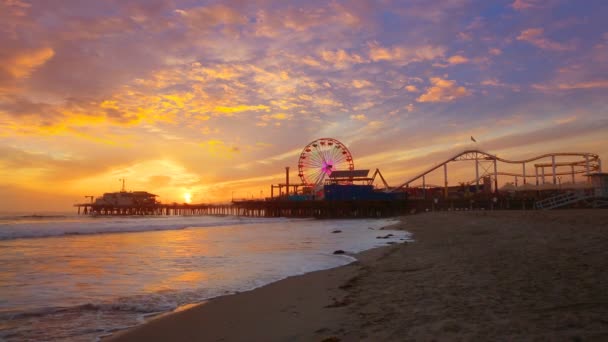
x=589 y=162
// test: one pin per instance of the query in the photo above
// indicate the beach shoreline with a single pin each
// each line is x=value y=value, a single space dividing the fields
x=218 y=310
x=506 y=275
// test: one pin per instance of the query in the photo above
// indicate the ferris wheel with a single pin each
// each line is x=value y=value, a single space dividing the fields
x=320 y=158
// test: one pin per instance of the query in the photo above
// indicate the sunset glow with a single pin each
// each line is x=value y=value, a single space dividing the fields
x=218 y=97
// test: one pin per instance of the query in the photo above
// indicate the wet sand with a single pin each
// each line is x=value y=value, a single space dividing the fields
x=518 y=275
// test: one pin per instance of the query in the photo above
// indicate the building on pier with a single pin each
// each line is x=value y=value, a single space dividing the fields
x=126 y=199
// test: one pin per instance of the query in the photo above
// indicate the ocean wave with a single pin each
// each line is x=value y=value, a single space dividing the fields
x=89 y=225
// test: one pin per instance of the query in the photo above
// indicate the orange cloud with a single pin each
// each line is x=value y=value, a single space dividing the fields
x=443 y=91
x=341 y=58
x=361 y=84
x=584 y=85
x=535 y=37
x=23 y=64
x=239 y=108
x=600 y=84
x=359 y=117
x=404 y=55
x=457 y=59
x=277 y=116
x=220 y=148
x=411 y=88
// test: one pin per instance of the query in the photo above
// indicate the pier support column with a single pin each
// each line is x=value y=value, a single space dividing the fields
x=572 y=170
x=536 y=174
x=524 y=172
x=287 y=181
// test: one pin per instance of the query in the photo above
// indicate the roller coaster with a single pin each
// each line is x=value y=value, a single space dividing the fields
x=487 y=165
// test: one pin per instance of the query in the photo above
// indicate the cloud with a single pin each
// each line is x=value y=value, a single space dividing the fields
x=520 y=5
x=358 y=117
x=301 y=21
x=535 y=37
x=495 y=51
x=433 y=11
x=493 y=82
x=239 y=108
x=598 y=84
x=25 y=62
x=443 y=91
x=277 y=116
x=465 y=36
x=205 y=18
x=403 y=55
x=220 y=148
x=361 y=84
x=411 y=88
x=457 y=59
x=340 y=58
x=566 y=120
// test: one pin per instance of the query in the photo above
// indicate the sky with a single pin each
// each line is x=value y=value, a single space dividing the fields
x=215 y=98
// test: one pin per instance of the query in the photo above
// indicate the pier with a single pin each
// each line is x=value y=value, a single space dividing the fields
x=257 y=208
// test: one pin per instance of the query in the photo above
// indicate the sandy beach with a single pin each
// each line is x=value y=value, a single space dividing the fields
x=517 y=275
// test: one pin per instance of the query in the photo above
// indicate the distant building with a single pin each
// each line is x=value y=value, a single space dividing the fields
x=599 y=182
x=126 y=199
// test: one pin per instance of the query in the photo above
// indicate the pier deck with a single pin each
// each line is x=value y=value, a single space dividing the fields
x=258 y=208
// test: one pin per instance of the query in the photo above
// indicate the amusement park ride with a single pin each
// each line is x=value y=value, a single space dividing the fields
x=328 y=161
x=324 y=161
x=327 y=171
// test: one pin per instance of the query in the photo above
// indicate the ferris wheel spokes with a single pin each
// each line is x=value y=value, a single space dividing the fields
x=320 y=158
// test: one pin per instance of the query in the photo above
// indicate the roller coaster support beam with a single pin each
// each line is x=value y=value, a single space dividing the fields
x=572 y=168
x=445 y=178
x=587 y=164
x=553 y=168
x=424 y=186
x=542 y=169
x=476 y=174
x=495 y=177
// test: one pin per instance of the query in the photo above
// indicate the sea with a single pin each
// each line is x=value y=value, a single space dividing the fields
x=82 y=278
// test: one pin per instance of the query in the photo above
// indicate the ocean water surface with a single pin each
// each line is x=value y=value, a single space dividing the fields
x=80 y=278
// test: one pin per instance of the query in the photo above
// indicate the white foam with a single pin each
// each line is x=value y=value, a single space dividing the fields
x=59 y=226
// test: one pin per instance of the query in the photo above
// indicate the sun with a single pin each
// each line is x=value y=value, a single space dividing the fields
x=188 y=197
